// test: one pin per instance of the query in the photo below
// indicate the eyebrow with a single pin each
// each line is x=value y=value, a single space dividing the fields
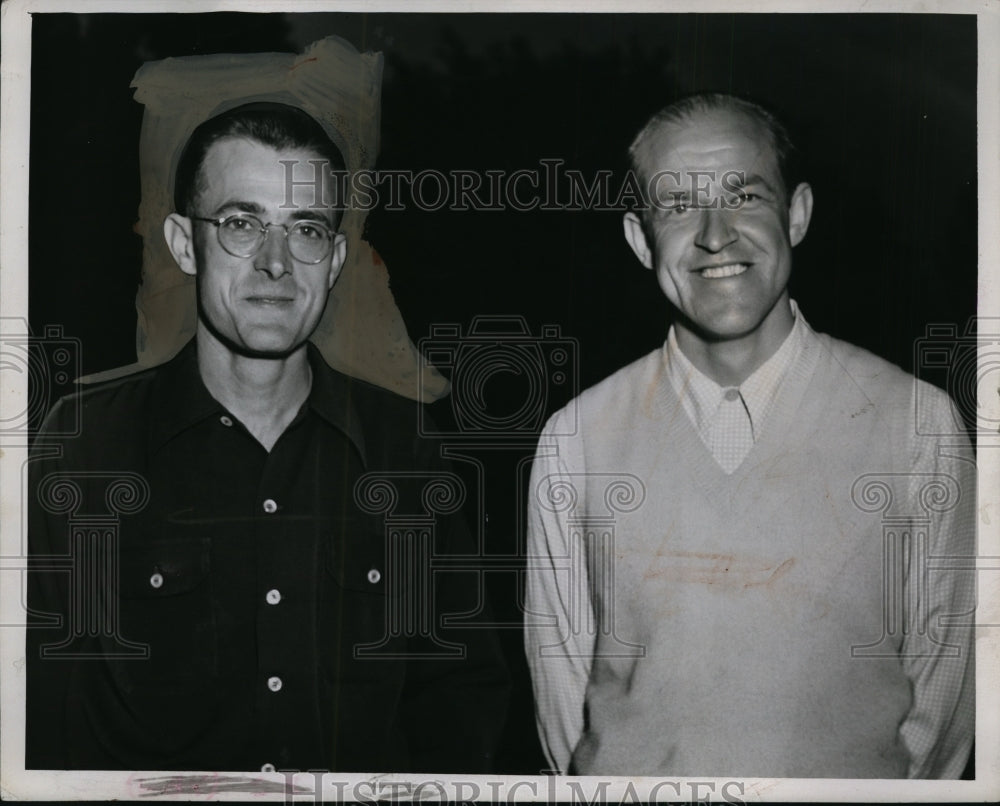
x=258 y=210
x=752 y=179
x=310 y=215
x=241 y=206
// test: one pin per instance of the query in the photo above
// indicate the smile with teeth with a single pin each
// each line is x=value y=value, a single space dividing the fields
x=728 y=270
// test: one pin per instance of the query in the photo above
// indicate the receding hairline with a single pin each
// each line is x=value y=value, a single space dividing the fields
x=644 y=140
x=690 y=107
x=200 y=185
x=273 y=124
x=313 y=151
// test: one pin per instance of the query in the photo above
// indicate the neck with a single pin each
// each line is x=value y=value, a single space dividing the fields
x=729 y=362
x=265 y=394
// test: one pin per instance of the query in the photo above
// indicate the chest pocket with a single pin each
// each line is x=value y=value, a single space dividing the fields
x=363 y=584
x=356 y=554
x=165 y=602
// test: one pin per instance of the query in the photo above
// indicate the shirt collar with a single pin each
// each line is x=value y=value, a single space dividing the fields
x=700 y=395
x=331 y=398
x=761 y=388
x=180 y=399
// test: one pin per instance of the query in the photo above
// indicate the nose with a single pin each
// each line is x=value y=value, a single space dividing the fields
x=274 y=257
x=715 y=230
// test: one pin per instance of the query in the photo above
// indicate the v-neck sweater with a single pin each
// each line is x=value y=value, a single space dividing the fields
x=719 y=622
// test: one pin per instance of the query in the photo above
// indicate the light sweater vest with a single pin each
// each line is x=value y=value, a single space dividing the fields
x=746 y=592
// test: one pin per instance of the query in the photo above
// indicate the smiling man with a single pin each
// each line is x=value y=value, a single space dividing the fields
x=249 y=612
x=760 y=601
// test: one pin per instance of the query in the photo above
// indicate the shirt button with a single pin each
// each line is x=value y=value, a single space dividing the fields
x=273 y=596
x=732 y=393
x=226 y=420
x=274 y=683
x=156 y=580
x=270 y=507
x=374 y=576
x=267 y=768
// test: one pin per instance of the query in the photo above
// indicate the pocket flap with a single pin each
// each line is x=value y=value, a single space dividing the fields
x=163 y=568
x=357 y=560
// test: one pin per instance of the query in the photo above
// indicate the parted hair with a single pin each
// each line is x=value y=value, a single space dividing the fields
x=277 y=125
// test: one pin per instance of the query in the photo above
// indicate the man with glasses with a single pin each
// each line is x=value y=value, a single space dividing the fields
x=252 y=614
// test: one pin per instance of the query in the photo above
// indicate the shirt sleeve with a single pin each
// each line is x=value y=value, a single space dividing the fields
x=558 y=610
x=454 y=707
x=938 y=651
x=48 y=679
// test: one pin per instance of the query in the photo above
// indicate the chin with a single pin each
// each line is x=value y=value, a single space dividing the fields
x=272 y=351
x=253 y=339
x=727 y=328
x=264 y=345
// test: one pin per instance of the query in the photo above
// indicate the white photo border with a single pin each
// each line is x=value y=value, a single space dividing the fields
x=17 y=783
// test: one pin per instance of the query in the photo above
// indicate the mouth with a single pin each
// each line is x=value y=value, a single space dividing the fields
x=723 y=271
x=268 y=300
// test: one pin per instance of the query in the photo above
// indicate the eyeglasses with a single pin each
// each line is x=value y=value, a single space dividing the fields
x=243 y=235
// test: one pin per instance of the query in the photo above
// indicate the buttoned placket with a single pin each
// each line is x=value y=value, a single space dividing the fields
x=273 y=678
x=270 y=621
x=730 y=420
x=288 y=533
x=731 y=436
x=274 y=682
x=287 y=566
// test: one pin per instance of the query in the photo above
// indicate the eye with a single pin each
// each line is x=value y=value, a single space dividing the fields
x=240 y=224
x=738 y=198
x=679 y=208
x=313 y=232
x=673 y=203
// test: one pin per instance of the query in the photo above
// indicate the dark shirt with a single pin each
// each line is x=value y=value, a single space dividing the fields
x=224 y=607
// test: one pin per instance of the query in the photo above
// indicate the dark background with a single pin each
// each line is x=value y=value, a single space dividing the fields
x=883 y=107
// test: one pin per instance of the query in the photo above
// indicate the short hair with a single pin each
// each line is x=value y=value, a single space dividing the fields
x=273 y=124
x=683 y=108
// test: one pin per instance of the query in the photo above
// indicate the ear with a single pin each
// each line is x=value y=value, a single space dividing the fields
x=337 y=258
x=177 y=230
x=799 y=212
x=636 y=237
